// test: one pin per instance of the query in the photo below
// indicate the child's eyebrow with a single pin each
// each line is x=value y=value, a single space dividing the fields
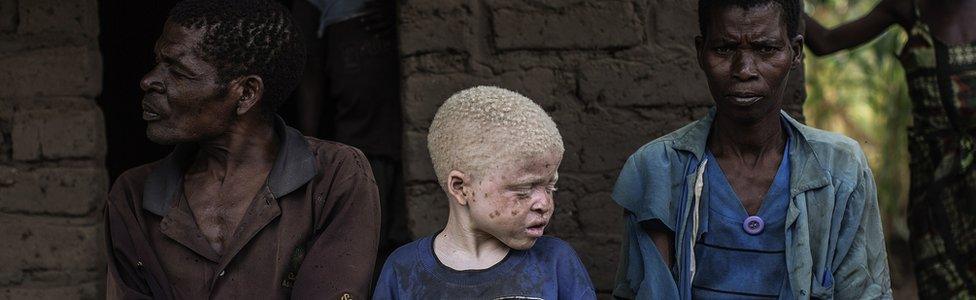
x=530 y=180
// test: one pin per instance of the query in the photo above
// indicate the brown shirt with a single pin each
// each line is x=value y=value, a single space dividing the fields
x=310 y=233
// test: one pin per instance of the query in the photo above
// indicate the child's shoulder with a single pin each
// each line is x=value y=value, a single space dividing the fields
x=554 y=245
x=409 y=252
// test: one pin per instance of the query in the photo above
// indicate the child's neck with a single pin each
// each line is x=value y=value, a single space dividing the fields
x=460 y=247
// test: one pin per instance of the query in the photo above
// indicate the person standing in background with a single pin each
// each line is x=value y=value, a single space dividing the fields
x=351 y=93
x=940 y=65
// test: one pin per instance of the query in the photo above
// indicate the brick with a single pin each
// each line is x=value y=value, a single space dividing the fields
x=65 y=71
x=585 y=25
x=417 y=165
x=624 y=83
x=52 y=133
x=42 y=246
x=665 y=14
x=57 y=191
x=423 y=94
x=81 y=291
x=70 y=17
x=427 y=208
x=451 y=19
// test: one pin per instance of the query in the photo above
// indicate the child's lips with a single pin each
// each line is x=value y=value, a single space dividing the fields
x=536 y=230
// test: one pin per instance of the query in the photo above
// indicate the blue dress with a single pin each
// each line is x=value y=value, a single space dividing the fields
x=741 y=256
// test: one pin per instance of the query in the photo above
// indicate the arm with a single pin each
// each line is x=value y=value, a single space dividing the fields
x=122 y=279
x=642 y=273
x=863 y=270
x=823 y=41
x=663 y=240
x=311 y=90
x=341 y=258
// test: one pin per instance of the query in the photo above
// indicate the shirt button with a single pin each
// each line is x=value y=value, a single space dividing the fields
x=803 y=292
x=139 y=264
x=753 y=225
x=221 y=273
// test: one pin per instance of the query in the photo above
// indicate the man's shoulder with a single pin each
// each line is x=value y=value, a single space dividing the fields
x=332 y=155
x=135 y=178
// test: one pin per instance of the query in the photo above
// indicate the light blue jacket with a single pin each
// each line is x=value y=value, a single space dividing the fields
x=834 y=241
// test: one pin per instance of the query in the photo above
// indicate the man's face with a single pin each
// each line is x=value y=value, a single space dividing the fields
x=184 y=102
x=747 y=56
x=514 y=201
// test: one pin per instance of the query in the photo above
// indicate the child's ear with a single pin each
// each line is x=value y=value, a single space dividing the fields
x=459 y=187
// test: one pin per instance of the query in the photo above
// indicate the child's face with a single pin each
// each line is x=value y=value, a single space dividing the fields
x=514 y=201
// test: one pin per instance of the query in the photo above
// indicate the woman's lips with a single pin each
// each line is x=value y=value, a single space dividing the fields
x=744 y=99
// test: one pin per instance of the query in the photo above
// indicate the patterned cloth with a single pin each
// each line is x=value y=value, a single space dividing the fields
x=942 y=213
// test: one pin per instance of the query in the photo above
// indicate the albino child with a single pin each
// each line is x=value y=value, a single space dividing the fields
x=496 y=154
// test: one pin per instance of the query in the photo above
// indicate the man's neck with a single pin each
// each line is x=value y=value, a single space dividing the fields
x=747 y=142
x=247 y=145
x=461 y=247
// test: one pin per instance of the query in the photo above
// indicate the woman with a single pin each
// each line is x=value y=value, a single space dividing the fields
x=940 y=65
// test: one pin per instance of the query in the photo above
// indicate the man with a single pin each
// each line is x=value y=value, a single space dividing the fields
x=244 y=207
x=748 y=202
x=940 y=70
x=496 y=155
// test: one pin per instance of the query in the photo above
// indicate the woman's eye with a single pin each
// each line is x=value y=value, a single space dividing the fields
x=768 y=50
x=723 y=50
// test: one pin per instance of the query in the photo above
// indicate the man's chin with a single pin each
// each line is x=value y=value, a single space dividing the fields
x=161 y=138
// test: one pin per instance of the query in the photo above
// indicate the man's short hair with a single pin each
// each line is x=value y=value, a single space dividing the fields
x=487 y=126
x=789 y=12
x=248 y=37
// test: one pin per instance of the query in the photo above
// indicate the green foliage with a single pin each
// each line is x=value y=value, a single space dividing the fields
x=862 y=93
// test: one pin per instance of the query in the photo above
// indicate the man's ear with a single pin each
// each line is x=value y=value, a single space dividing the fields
x=797 y=45
x=459 y=187
x=251 y=91
x=700 y=50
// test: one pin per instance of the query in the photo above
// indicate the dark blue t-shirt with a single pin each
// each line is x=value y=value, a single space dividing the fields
x=548 y=270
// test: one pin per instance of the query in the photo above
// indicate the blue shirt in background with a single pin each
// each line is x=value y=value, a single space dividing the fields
x=334 y=11
x=548 y=270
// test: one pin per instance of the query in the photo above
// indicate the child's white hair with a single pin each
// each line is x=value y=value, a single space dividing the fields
x=487 y=126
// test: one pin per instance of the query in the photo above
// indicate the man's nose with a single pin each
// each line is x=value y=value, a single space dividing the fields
x=151 y=83
x=744 y=67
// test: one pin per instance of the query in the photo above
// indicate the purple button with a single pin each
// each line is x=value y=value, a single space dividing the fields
x=753 y=225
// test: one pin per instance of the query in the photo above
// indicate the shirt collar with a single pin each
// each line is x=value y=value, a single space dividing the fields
x=807 y=171
x=294 y=166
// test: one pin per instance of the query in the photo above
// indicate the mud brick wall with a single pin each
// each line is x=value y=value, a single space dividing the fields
x=613 y=74
x=52 y=176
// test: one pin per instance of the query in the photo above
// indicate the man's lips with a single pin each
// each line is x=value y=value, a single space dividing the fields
x=148 y=113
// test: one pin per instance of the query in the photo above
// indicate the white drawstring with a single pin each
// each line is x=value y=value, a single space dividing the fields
x=699 y=184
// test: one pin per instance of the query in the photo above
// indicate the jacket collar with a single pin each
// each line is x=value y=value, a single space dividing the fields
x=807 y=171
x=294 y=166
